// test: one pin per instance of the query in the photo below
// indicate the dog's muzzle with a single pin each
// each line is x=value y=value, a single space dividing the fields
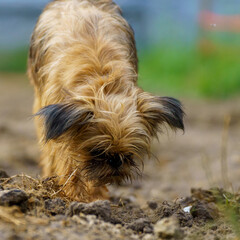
x=115 y=161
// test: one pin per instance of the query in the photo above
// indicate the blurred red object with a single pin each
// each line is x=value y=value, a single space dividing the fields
x=216 y=22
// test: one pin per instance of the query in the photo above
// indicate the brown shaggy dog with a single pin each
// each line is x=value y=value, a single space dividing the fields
x=93 y=122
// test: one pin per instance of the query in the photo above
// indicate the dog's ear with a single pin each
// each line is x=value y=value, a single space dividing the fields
x=159 y=110
x=58 y=118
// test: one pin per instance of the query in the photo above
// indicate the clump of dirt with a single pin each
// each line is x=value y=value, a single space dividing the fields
x=12 y=197
x=101 y=209
x=35 y=209
x=55 y=206
x=168 y=209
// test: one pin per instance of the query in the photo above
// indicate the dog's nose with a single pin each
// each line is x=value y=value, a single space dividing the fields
x=115 y=162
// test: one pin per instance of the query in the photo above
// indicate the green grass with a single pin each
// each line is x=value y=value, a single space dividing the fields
x=229 y=206
x=13 y=60
x=210 y=70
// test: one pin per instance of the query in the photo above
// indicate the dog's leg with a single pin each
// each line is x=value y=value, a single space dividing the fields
x=98 y=193
x=78 y=190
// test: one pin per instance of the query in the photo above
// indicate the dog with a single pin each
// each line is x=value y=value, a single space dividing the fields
x=94 y=123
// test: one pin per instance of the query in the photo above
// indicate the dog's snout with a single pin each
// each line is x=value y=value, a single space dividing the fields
x=115 y=161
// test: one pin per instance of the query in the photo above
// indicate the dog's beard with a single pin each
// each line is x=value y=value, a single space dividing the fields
x=100 y=173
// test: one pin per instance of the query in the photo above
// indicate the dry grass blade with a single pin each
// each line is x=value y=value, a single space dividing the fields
x=206 y=165
x=18 y=176
x=61 y=189
x=224 y=148
x=6 y=214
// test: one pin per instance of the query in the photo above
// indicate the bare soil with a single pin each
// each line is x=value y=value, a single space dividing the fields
x=167 y=203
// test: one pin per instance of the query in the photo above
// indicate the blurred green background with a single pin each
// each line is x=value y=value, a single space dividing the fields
x=182 y=52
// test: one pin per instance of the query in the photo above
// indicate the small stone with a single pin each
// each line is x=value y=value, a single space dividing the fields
x=148 y=237
x=153 y=205
x=119 y=226
x=214 y=227
x=140 y=225
x=148 y=229
x=12 y=197
x=3 y=175
x=187 y=209
x=168 y=228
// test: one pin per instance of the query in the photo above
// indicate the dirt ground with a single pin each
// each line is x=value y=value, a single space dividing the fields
x=207 y=155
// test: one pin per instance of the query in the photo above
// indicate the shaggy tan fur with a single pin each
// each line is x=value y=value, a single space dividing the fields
x=94 y=123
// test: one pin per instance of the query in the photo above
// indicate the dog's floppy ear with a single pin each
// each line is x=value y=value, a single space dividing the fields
x=58 y=118
x=158 y=110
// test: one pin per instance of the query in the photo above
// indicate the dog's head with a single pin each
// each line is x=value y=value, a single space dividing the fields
x=109 y=133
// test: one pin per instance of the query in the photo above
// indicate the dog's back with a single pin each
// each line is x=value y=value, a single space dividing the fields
x=76 y=39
